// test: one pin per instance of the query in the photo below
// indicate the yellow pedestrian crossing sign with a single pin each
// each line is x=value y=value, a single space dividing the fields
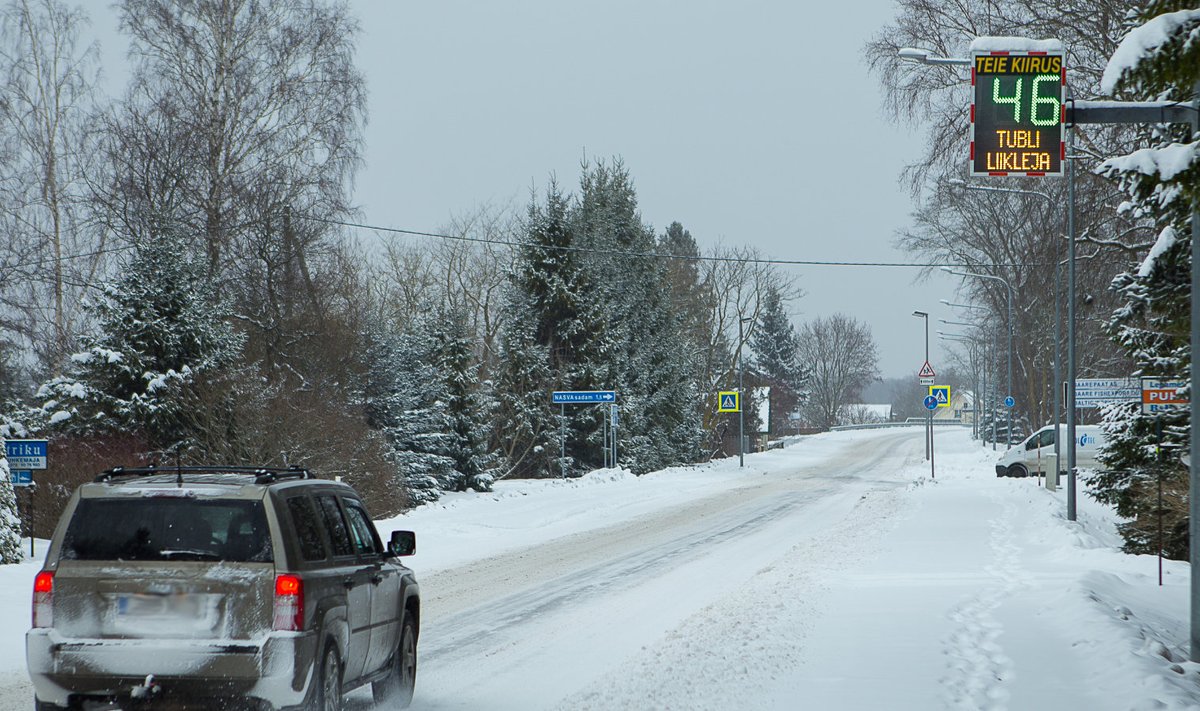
x=728 y=401
x=941 y=393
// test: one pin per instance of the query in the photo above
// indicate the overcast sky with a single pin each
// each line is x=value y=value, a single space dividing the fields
x=752 y=122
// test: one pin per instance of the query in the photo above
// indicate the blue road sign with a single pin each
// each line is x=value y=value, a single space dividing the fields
x=583 y=396
x=25 y=453
x=1009 y=401
x=931 y=402
x=941 y=393
x=21 y=477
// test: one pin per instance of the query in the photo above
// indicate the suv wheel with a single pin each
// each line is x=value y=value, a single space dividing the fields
x=329 y=693
x=396 y=689
x=1018 y=471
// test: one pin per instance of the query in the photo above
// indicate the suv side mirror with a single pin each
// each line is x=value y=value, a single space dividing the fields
x=403 y=543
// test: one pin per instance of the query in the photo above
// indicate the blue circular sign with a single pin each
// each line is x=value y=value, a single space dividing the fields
x=1009 y=402
x=931 y=402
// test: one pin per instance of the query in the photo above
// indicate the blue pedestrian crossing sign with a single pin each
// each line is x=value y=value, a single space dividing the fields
x=729 y=401
x=940 y=393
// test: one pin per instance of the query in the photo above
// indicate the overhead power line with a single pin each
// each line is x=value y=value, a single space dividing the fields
x=658 y=255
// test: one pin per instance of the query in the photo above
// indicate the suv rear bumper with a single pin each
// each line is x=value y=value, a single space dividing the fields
x=263 y=668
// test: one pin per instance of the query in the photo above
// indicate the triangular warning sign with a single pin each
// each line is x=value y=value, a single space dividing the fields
x=926 y=371
x=729 y=402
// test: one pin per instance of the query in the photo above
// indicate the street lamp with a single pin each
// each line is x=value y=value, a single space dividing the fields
x=928 y=412
x=925 y=56
x=1009 y=288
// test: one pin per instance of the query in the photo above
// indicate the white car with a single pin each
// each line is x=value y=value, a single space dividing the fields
x=1036 y=454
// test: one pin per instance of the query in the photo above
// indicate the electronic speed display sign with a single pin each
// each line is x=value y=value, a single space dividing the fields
x=1017 y=117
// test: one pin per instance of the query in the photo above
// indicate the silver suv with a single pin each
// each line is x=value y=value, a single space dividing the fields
x=221 y=587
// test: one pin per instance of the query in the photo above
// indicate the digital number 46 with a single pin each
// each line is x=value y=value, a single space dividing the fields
x=1036 y=99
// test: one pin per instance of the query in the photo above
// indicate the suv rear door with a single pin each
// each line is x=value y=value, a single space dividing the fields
x=356 y=578
x=385 y=578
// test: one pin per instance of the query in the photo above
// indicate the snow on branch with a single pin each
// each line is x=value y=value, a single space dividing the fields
x=1143 y=42
x=1166 y=239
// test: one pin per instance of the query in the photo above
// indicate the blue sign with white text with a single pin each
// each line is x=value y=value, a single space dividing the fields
x=583 y=396
x=25 y=453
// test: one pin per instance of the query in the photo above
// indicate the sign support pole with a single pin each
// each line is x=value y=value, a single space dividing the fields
x=1071 y=373
x=1194 y=460
x=562 y=452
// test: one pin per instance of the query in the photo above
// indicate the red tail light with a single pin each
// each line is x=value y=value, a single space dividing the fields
x=43 y=599
x=289 y=603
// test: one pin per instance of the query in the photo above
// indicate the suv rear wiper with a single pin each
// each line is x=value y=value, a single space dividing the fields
x=189 y=553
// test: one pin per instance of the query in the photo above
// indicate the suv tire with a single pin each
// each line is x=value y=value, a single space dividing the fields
x=329 y=690
x=396 y=689
x=1018 y=471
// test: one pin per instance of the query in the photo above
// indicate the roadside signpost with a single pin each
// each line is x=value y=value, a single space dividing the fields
x=931 y=404
x=926 y=374
x=562 y=398
x=729 y=401
x=26 y=453
x=1163 y=395
x=582 y=397
x=24 y=456
x=1094 y=392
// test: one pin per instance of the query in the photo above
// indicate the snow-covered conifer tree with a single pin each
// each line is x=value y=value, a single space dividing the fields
x=405 y=398
x=162 y=327
x=1158 y=60
x=466 y=407
x=10 y=520
x=776 y=357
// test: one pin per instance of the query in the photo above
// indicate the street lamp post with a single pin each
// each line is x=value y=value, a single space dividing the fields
x=928 y=413
x=1009 y=291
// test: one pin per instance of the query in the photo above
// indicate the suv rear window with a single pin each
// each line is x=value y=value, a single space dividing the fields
x=168 y=528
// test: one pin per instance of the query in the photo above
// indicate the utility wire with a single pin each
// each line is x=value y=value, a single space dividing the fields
x=657 y=255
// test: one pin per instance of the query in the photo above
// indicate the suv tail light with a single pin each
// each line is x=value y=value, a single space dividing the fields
x=289 y=603
x=43 y=599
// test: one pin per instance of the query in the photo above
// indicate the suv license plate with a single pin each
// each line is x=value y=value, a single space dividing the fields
x=176 y=605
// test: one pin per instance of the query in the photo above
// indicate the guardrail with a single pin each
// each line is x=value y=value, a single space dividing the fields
x=910 y=422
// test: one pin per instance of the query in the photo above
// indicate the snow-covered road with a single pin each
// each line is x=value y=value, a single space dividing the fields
x=831 y=575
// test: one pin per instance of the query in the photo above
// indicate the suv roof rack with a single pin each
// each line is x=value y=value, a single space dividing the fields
x=262 y=475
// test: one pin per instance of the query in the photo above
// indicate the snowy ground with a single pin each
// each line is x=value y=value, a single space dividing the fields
x=834 y=574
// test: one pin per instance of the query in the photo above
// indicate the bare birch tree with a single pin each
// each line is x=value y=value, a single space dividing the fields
x=48 y=255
